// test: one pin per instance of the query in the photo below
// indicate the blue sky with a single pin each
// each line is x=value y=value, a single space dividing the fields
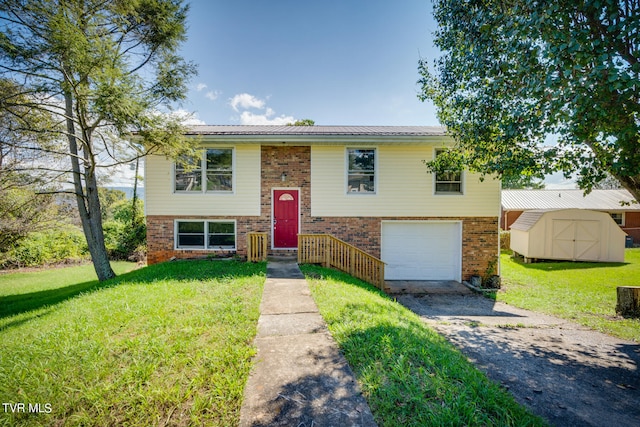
x=338 y=62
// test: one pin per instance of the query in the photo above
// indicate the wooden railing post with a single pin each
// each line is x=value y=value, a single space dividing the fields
x=256 y=247
x=334 y=253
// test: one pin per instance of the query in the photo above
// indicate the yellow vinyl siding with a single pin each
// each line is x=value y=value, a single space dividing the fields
x=403 y=186
x=243 y=201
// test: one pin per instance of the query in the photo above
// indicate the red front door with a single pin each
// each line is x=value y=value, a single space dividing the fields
x=285 y=218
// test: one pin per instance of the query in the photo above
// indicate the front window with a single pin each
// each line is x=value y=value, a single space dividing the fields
x=219 y=169
x=213 y=235
x=222 y=235
x=361 y=173
x=189 y=175
x=448 y=182
x=212 y=172
x=190 y=234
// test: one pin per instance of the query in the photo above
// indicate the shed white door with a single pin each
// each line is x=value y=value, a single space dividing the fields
x=576 y=239
x=422 y=250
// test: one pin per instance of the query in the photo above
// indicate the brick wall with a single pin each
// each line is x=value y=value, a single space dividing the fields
x=479 y=235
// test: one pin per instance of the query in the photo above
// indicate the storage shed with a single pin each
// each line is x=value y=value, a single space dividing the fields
x=568 y=234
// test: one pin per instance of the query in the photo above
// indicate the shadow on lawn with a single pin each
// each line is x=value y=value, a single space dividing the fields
x=179 y=270
x=550 y=265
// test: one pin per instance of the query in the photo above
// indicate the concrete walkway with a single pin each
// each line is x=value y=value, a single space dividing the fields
x=300 y=377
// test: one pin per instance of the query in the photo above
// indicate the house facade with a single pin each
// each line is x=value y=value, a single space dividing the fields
x=616 y=203
x=366 y=185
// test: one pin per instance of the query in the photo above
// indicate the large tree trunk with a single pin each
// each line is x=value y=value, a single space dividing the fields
x=632 y=184
x=87 y=198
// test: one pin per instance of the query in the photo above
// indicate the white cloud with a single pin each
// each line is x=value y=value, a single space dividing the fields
x=249 y=118
x=200 y=87
x=245 y=101
x=212 y=95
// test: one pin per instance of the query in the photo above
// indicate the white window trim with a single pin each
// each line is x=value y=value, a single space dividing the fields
x=203 y=172
x=463 y=181
x=375 y=171
x=206 y=235
x=622 y=224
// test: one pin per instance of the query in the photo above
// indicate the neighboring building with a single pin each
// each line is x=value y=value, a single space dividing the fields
x=366 y=185
x=617 y=203
x=568 y=234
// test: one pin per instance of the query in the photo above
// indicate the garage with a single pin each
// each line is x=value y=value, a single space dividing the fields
x=422 y=250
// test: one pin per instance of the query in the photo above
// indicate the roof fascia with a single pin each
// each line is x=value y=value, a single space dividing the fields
x=298 y=140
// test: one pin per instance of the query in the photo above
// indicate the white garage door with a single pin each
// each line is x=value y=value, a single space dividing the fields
x=416 y=250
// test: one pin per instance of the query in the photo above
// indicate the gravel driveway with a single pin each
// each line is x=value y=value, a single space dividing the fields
x=566 y=373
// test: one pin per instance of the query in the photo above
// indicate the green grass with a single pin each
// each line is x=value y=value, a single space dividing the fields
x=410 y=375
x=578 y=291
x=26 y=291
x=169 y=344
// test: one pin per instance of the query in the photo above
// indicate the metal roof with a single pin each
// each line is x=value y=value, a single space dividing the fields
x=603 y=200
x=271 y=130
x=527 y=220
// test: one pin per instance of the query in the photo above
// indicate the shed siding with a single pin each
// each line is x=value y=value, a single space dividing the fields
x=403 y=186
x=243 y=201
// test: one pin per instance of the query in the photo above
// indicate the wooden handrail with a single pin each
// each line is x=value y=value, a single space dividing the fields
x=256 y=246
x=330 y=251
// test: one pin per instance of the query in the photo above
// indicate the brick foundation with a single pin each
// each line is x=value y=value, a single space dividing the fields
x=479 y=234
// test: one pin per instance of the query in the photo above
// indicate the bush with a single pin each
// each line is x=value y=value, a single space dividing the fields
x=125 y=242
x=505 y=239
x=47 y=247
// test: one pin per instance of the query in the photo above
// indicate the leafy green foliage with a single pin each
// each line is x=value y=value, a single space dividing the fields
x=22 y=211
x=125 y=233
x=303 y=122
x=59 y=244
x=104 y=69
x=515 y=72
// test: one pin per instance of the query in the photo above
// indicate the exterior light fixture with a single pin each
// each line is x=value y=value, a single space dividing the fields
x=283 y=177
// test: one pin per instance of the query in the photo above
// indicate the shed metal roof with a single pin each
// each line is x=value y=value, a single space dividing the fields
x=527 y=220
x=317 y=130
x=603 y=200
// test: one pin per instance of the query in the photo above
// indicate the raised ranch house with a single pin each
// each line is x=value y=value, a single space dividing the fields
x=366 y=185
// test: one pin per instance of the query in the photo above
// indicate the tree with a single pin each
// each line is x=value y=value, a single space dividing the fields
x=515 y=72
x=513 y=182
x=105 y=69
x=303 y=122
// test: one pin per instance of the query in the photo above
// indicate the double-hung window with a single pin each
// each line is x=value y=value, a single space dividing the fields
x=361 y=170
x=219 y=164
x=213 y=235
x=448 y=181
x=188 y=175
x=211 y=172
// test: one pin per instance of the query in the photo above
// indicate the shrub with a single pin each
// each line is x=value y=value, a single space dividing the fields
x=47 y=247
x=505 y=239
x=124 y=241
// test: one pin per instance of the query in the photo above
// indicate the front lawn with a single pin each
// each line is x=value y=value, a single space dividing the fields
x=582 y=292
x=169 y=344
x=410 y=375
